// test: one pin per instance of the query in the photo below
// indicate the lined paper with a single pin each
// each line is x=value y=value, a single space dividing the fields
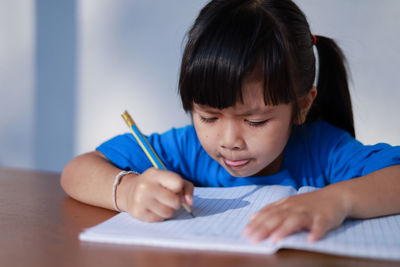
x=221 y=215
x=373 y=238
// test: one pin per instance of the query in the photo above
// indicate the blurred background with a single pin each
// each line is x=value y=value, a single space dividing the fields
x=68 y=69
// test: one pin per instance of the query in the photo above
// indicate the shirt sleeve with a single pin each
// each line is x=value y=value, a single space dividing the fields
x=125 y=153
x=344 y=157
x=176 y=149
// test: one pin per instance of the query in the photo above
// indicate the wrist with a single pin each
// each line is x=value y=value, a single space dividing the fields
x=126 y=184
x=342 y=196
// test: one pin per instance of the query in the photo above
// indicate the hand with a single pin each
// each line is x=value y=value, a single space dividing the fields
x=318 y=212
x=156 y=194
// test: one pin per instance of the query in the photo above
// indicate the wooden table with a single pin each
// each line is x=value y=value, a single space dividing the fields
x=39 y=226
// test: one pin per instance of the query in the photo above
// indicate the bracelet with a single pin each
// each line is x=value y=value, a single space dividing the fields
x=117 y=180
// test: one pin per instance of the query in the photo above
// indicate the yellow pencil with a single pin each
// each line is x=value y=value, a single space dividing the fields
x=148 y=149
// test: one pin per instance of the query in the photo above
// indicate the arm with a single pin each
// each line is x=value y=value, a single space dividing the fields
x=372 y=195
x=152 y=196
x=375 y=194
x=89 y=179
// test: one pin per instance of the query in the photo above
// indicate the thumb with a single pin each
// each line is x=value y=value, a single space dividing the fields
x=188 y=192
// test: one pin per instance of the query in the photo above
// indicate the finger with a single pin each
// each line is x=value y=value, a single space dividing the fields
x=264 y=216
x=262 y=226
x=146 y=215
x=167 y=197
x=188 y=193
x=264 y=210
x=290 y=226
x=318 y=230
x=171 y=181
x=161 y=210
x=255 y=220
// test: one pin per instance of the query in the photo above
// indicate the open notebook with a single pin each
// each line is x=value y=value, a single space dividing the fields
x=221 y=215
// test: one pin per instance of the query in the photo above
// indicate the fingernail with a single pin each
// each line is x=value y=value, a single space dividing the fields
x=189 y=200
x=311 y=238
x=275 y=237
x=256 y=238
x=246 y=231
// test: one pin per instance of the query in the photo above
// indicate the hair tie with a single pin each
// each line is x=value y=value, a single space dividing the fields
x=117 y=180
x=314 y=37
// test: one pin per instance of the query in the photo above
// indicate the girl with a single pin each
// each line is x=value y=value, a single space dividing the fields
x=247 y=78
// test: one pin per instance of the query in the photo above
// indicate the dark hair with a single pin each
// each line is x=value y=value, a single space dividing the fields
x=231 y=37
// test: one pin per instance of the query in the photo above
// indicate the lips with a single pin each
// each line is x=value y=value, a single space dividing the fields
x=236 y=163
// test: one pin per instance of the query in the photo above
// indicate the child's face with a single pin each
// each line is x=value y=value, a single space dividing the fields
x=246 y=139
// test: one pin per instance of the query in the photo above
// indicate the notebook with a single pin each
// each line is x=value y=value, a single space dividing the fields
x=221 y=215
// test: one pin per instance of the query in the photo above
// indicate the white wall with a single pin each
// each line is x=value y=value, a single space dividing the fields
x=129 y=59
x=69 y=68
x=368 y=31
x=17 y=44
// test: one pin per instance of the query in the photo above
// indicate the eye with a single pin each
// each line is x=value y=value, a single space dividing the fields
x=207 y=119
x=256 y=123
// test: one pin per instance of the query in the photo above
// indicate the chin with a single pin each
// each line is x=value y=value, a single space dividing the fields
x=239 y=174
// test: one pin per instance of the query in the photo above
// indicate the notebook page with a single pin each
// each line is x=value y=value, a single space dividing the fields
x=373 y=238
x=306 y=189
x=221 y=215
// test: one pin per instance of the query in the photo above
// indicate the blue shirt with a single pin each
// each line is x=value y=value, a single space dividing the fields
x=316 y=155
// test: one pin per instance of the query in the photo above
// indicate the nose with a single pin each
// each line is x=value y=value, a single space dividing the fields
x=231 y=136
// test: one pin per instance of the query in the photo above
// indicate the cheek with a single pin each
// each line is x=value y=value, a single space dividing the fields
x=269 y=142
x=206 y=140
x=204 y=135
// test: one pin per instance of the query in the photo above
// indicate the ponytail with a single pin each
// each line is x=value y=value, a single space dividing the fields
x=333 y=103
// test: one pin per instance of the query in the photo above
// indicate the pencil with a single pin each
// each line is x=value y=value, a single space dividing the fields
x=148 y=149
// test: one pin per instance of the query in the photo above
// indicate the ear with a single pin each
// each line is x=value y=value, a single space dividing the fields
x=305 y=104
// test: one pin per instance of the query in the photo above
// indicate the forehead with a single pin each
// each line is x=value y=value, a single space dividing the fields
x=252 y=97
x=251 y=103
x=252 y=90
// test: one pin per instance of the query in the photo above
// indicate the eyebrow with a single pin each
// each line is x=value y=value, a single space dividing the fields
x=257 y=111
x=208 y=110
x=245 y=113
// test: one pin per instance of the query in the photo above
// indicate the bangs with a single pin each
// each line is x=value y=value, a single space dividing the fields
x=221 y=52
